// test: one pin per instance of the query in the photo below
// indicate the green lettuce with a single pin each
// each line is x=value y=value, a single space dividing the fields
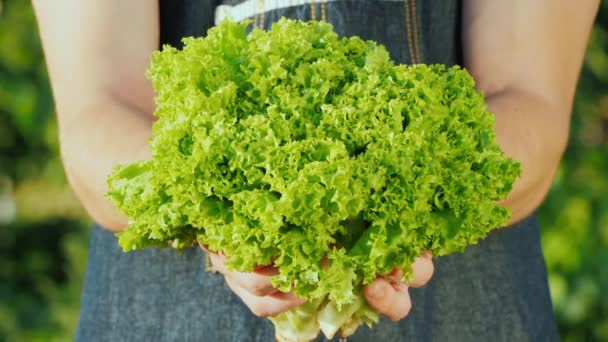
x=293 y=145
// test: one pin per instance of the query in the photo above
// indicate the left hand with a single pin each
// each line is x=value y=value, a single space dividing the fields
x=389 y=296
x=254 y=288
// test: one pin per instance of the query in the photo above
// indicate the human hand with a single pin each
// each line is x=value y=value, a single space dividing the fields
x=389 y=296
x=254 y=288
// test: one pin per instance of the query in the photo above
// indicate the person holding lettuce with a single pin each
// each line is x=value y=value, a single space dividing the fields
x=525 y=56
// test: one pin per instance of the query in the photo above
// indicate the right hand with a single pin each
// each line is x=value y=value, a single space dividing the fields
x=390 y=296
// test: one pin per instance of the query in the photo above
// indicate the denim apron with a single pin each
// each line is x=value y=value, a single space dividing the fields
x=494 y=291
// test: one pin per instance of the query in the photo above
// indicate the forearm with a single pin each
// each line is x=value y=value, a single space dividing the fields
x=107 y=133
x=534 y=132
x=101 y=135
x=526 y=56
x=97 y=62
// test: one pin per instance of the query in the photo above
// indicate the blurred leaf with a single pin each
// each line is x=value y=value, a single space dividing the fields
x=597 y=56
x=574 y=217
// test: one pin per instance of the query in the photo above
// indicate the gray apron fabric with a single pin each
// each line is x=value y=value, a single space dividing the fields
x=494 y=291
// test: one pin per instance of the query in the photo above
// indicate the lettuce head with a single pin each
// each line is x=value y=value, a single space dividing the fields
x=293 y=146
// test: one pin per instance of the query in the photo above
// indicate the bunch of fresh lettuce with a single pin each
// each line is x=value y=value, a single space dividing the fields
x=293 y=145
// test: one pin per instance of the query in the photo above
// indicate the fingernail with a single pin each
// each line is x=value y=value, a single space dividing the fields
x=378 y=288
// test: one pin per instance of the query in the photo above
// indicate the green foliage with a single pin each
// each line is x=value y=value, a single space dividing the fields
x=574 y=217
x=293 y=144
x=26 y=134
x=272 y=146
x=42 y=234
x=39 y=299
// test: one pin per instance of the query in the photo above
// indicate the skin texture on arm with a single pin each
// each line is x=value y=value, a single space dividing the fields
x=97 y=53
x=97 y=62
x=526 y=56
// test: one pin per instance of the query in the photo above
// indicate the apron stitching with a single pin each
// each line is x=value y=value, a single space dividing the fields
x=262 y=5
x=255 y=20
x=323 y=11
x=416 y=35
x=409 y=33
x=208 y=264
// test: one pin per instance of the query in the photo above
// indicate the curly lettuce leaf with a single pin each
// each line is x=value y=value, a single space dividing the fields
x=294 y=145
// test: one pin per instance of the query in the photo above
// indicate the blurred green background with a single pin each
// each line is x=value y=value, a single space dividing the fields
x=43 y=229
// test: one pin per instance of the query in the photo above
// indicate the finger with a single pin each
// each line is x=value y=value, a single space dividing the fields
x=256 y=284
x=203 y=246
x=218 y=262
x=268 y=271
x=393 y=301
x=422 y=268
x=206 y=248
x=267 y=306
x=423 y=271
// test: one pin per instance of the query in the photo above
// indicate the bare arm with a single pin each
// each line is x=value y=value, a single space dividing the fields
x=97 y=53
x=526 y=56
